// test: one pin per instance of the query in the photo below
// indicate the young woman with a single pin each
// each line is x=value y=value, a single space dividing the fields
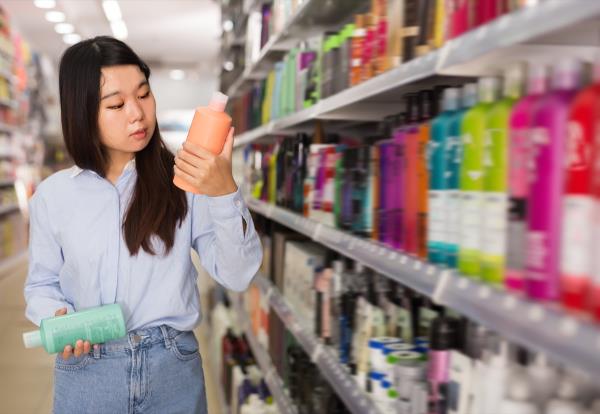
x=115 y=229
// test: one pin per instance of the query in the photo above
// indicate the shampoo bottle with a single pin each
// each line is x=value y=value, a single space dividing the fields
x=96 y=325
x=209 y=130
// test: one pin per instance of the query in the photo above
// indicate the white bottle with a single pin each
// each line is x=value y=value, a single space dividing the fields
x=544 y=379
x=496 y=377
x=519 y=398
x=566 y=395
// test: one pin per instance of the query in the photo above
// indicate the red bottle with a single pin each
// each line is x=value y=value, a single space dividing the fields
x=577 y=245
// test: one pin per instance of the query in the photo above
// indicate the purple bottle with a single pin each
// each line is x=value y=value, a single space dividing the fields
x=396 y=189
x=549 y=130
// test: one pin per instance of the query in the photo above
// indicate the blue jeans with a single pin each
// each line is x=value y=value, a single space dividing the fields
x=155 y=370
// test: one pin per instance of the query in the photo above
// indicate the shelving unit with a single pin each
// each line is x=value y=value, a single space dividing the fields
x=8 y=209
x=538 y=32
x=314 y=14
x=273 y=380
x=6 y=183
x=547 y=329
x=355 y=399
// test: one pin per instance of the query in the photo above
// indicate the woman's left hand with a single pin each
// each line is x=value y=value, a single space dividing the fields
x=209 y=174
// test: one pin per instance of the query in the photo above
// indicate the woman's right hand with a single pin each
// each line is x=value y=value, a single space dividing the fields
x=81 y=347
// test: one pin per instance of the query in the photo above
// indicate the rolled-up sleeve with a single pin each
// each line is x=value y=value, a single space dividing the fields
x=229 y=254
x=42 y=288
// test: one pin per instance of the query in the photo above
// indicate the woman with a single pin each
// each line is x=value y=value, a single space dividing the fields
x=114 y=229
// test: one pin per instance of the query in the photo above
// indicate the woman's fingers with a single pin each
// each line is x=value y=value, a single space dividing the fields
x=87 y=347
x=60 y=312
x=67 y=352
x=78 y=348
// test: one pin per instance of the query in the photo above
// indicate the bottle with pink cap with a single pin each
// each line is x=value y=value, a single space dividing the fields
x=209 y=130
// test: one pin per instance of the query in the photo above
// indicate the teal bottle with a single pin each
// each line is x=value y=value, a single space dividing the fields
x=96 y=325
x=440 y=145
x=452 y=173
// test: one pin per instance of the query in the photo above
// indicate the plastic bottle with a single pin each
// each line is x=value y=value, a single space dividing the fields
x=96 y=325
x=576 y=263
x=440 y=149
x=411 y=177
x=471 y=179
x=427 y=108
x=518 y=400
x=544 y=379
x=209 y=130
x=495 y=179
x=518 y=182
x=550 y=120
x=452 y=172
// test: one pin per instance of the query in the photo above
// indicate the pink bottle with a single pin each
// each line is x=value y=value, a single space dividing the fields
x=549 y=133
x=209 y=130
x=519 y=153
x=459 y=17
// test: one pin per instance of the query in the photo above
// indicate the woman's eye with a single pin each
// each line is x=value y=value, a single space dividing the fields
x=116 y=106
x=144 y=96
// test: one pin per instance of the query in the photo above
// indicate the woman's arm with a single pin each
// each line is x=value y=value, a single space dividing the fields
x=42 y=288
x=223 y=234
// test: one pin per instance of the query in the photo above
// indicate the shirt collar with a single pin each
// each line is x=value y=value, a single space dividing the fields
x=75 y=170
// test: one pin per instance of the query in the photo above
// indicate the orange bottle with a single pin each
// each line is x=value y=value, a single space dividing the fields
x=209 y=130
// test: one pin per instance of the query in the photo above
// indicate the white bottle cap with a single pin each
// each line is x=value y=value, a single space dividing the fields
x=218 y=102
x=488 y=89
x=469 y=96
x=32 y=339
x=451 y=99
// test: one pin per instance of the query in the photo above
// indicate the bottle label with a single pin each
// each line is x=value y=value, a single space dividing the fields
x=537 y=255
x=453 y=217
x=495 y=207
x=437 y=217
x=577 y=237
x=517 y=231
x=471 y=205
x=596 y=246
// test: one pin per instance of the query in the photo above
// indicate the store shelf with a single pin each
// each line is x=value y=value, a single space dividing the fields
x=11 y=103
x=7 y=266
x=355 y=399
x=311 y=17
x=8 y=209
x=274 y=382
x=545 y=328
x=7 y=128
x=522 y=35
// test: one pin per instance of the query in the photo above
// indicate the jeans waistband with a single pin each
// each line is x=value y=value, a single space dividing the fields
x=138 y=338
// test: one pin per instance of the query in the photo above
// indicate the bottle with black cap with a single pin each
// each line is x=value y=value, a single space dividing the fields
x=444 y=337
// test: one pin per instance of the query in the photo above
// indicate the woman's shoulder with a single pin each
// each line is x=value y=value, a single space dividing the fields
x=59 y=182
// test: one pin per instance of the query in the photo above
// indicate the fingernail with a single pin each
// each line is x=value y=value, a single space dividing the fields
x=96 y=347
x=69 y=349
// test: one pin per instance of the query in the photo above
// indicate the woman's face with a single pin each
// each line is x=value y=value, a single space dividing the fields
x=127 y=115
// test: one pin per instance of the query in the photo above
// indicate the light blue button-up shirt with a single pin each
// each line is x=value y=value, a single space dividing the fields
x=78 y=257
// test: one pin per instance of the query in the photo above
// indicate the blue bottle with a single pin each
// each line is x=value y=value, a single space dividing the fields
x=441 y=145
x=453 y=162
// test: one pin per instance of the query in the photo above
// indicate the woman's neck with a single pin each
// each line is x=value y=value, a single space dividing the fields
x=116 y=166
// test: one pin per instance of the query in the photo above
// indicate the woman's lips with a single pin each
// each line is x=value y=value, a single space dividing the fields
x=139 y=134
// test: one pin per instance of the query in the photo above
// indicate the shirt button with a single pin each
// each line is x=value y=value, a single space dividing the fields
x=238 y=203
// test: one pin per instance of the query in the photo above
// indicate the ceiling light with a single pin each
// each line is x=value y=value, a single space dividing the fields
x=228 y=66
x=112 y=10
x=227 y=26
x=45 y=4
x=177 y=74
x=64 y=28
x=71 y=38
x=55 y=16
x=119 y=29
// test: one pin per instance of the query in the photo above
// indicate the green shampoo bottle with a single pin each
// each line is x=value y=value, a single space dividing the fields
x=96 y=325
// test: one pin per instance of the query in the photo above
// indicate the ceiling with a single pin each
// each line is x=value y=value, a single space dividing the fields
x=165 y=33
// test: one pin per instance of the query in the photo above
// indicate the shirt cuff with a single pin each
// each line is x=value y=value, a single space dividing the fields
x=227 y=206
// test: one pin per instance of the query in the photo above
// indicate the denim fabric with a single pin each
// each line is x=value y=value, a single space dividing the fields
x=155 y=370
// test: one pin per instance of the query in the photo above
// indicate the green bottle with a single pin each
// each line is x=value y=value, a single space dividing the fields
x=96 y=325
x=495 y=179
x=473 y=130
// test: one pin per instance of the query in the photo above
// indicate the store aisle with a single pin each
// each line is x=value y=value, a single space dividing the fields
x=26 y=374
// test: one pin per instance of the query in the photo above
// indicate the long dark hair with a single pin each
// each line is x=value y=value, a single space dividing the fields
x=157 y=206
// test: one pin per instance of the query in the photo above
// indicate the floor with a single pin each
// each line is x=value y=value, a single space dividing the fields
x=26 y=374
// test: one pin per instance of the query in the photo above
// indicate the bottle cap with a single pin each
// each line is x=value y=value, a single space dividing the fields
x=451 y=99
x=32 y=339
x=399 y=347
x=566 y=74
x=537 y=79
x=382 y=341
x=444 y=331
x=218 y=102
x=469 y=96
x=488 y=88
x=513 y=81
x=338 y=266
